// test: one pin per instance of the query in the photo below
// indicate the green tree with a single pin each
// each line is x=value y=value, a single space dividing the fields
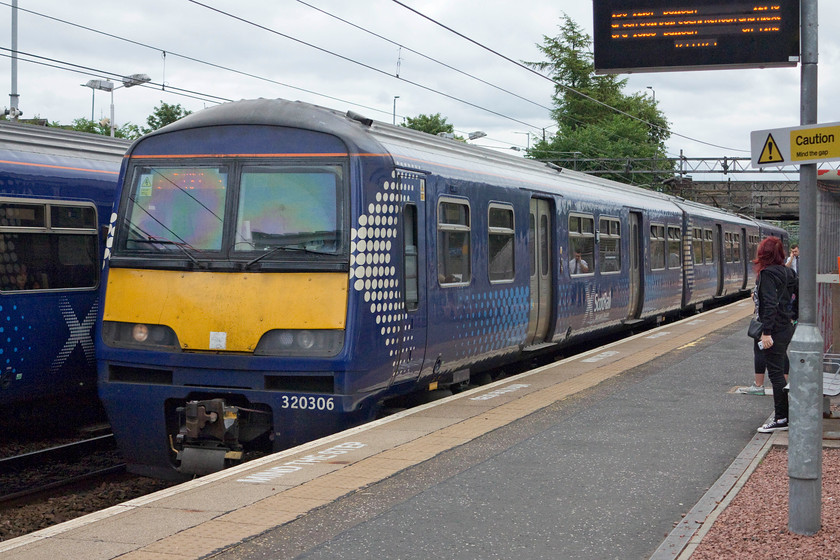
x=163 y=115
x=595 y=119
x=128 y=130
x=432 y=124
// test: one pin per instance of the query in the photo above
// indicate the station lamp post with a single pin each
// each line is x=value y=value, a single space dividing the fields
x=528 y=134
x=107 y=85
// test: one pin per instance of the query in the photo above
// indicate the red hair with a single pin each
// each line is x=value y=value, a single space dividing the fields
x=770 y=252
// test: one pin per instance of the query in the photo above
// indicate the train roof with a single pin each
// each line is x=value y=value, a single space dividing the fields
x=415 y=150
x=57 y=142
x=409 y=149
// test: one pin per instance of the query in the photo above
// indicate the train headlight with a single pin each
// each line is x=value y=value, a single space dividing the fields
x=305 y=340
x=139 y=335
x=287 y=342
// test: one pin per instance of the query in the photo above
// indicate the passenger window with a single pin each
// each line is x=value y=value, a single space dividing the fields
x=609 y=245
x=697 y=245
x=674 y=245
x=581 y=244
x=500 y=238
x=708 y=246
x=736 y=247
x=48 y=246
x=657 y=246
x=453 y=242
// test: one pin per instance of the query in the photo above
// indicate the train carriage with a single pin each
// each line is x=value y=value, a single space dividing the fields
x=279 y=270
x=56 y=193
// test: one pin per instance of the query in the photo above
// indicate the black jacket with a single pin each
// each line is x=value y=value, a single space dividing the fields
x=778 y=293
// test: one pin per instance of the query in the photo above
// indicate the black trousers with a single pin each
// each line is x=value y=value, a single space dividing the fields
x=778 y=365
x=759 y=361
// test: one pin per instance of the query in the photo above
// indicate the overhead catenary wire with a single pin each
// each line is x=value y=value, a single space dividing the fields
x=167 y=52
x=549 y=78
x=88 y=71
x=591 y=149
x=327 y=51
x=362 y=64
x=427 y=57
x=200 y=61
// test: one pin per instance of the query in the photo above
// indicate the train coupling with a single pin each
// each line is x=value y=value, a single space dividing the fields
x=208 y=437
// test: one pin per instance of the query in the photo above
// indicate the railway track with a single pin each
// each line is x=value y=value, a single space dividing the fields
x=33 y=474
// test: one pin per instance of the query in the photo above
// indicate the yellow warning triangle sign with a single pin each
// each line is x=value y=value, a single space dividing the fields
x=770 y=152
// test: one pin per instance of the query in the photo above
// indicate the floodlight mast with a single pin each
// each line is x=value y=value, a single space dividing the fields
x=107 y=85
x=14 y=99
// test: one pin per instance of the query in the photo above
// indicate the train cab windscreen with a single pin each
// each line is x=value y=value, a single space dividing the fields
x=244 y=211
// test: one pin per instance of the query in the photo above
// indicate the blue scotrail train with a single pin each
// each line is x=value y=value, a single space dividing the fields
x=279 y=270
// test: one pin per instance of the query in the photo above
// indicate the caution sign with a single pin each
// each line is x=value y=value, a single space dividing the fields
x=814 y=143
x=821 y=143
x=770 y=152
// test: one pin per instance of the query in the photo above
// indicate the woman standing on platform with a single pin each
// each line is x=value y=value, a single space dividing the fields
x=778 y=287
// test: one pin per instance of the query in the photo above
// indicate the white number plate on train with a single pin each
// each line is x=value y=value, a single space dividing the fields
x=307 y=402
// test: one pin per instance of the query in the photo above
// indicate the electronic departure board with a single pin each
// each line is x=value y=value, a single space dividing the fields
x=667 y=35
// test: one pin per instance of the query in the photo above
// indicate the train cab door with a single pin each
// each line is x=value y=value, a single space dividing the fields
x=540 y=227
x=411 y=340
x=634 y=309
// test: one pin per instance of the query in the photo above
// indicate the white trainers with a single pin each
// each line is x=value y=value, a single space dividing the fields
x=752 y=390
x=774 y=426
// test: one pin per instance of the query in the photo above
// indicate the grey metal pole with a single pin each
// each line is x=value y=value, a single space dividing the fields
x=14 y=98
x=806 y=382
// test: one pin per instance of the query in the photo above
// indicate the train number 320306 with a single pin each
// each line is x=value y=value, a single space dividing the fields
x=308 y=403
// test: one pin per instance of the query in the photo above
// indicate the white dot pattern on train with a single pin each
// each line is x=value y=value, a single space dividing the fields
x=374 y=275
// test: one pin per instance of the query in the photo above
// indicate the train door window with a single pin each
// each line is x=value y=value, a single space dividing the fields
x=657 y=246
x=609 y=245
x=453 y=242
x=48 y=246
x=544 y=245
x=500 y=237
x=410 y=256
x=581 y=244
x=727 y=247
x=532 y=236
x=697 y=245
x=708 y=246
x=674 y=245
x=736 y=247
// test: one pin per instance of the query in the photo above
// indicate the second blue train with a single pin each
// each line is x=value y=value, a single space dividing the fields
x=56 y=196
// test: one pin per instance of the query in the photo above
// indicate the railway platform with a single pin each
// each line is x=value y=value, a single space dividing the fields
x=624 y=451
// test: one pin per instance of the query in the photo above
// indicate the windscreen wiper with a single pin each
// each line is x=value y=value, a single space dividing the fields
x=282 y=248
x=164 y=241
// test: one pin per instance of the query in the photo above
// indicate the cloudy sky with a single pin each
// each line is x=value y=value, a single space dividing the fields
x=196 y=56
